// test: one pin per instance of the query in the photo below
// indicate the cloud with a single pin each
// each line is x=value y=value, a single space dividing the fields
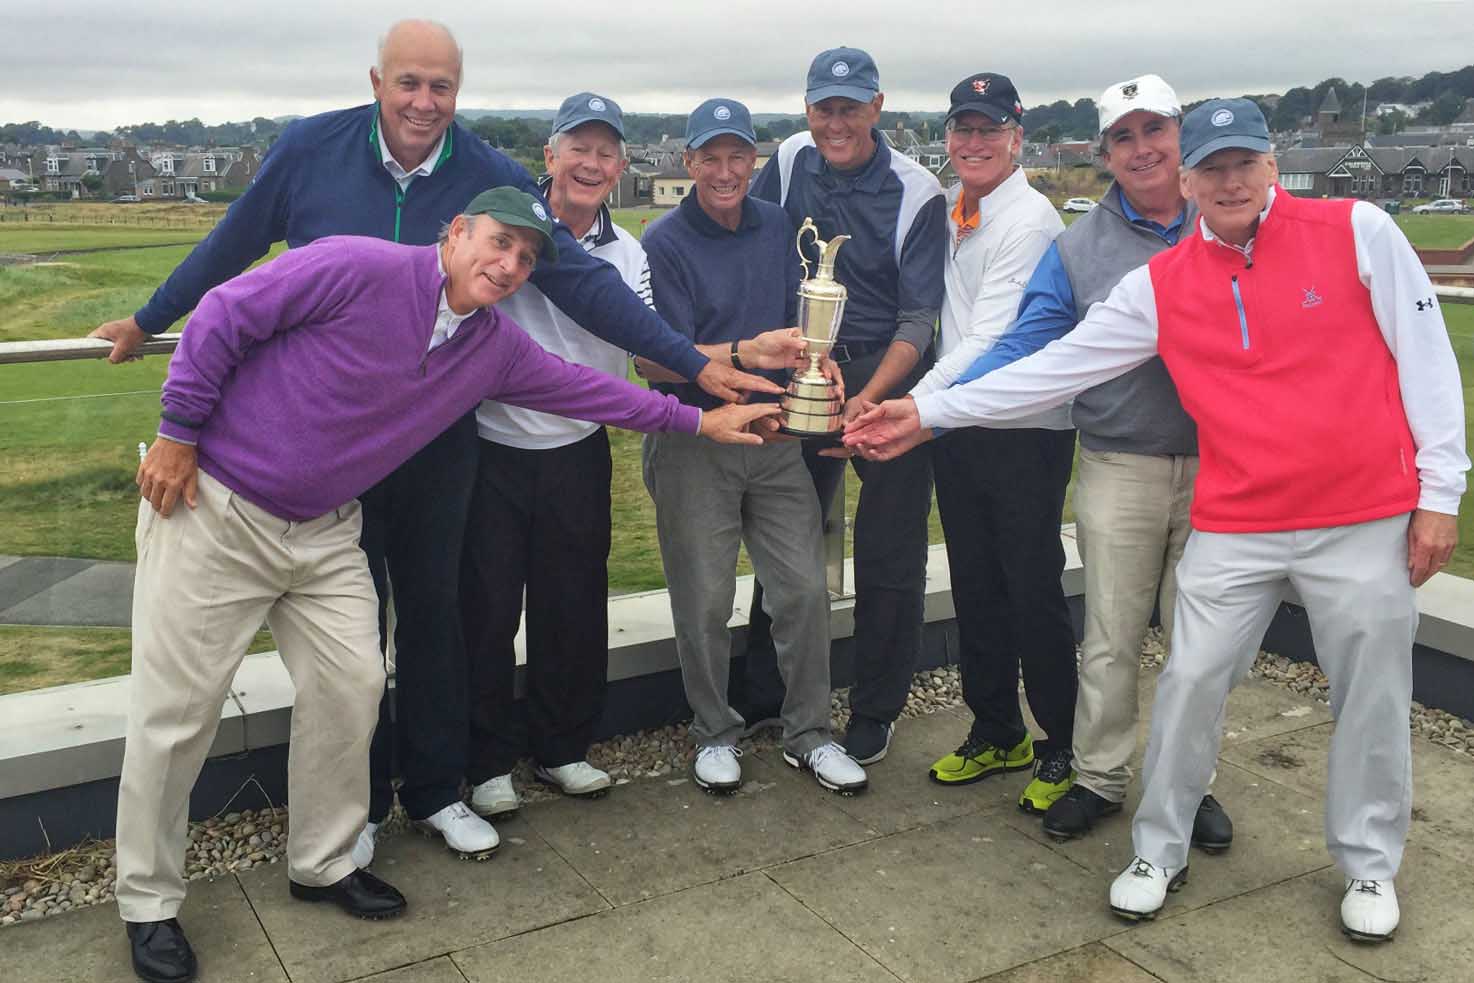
x=103 y=65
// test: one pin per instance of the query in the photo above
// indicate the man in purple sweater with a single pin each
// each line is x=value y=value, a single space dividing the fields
x=296 y=387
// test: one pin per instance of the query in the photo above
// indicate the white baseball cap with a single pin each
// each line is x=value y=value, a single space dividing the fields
x=1145 y=92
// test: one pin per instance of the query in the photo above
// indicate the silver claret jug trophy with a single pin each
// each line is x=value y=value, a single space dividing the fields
x=812 y=406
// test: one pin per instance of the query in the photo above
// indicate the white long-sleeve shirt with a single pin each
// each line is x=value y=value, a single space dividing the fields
x=985 y=279
x=1120 y=333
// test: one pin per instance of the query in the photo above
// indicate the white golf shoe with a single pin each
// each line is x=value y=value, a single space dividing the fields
x=494 y=797
x=1140 y=890
x=831 y=767
x=716 y=768
x=1369 y=911
x=466 y=834
x=579 y=779
x=363 y=848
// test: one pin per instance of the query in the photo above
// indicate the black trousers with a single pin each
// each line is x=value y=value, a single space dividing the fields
x=413 y=522
x=1001 y=494
x=890 y=568
x=540 y=521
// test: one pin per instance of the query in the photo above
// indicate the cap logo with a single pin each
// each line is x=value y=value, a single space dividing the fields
x=840 y=69
x=980 y=86
x=1222 y=118
x=540 y=211
x=722 y=113
x=597 y=104
x=1128 y=91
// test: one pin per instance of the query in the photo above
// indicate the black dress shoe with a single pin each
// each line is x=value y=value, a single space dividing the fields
x=161 y=953
x=1076 y=812
x=360 y=893
x=1212 y=829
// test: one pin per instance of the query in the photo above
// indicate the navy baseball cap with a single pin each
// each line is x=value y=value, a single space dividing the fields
x=845 y=72
x=1219 y=124
x=992 y=95
x=588 y=107
x=715 y=117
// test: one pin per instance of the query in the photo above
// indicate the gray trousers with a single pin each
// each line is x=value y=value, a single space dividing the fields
x=1354 y=583
x=708 y=499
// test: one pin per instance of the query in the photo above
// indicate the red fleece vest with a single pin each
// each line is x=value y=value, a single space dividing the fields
x=1282 y=365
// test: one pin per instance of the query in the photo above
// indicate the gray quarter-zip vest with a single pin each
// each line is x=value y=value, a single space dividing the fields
x=1138 y=412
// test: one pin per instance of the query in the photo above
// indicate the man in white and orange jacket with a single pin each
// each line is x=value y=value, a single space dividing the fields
x=1306 y=341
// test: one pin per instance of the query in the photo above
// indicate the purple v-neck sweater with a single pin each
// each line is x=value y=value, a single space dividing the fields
x=306 y=380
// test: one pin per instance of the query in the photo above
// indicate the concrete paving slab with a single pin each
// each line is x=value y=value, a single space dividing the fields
x=31 y=575
x=6 y=561
x=1092 y=963
x=653 y=837
x=452 y=904
x=1277 y=834
x=99 y=595
x=1443 y=783
x=90 y=944
x=1291 y=932
x=901 y=796
x=951 y=902
x=440 y=970
x=749 y=929
x=1257 y=708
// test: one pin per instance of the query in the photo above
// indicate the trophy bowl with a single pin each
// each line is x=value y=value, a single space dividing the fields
x=812 y=408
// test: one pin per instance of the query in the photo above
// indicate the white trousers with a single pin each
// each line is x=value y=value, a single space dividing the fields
x=1354 y=583
x=206 y=578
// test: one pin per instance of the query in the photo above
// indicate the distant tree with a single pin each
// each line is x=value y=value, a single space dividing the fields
x=1393 y=122
x=92 y=182
x=762 y=133
x=1045 y=134
x=1445 y=109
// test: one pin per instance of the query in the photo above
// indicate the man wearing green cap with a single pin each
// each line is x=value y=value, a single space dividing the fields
x=1305 y=340
x=297 y=386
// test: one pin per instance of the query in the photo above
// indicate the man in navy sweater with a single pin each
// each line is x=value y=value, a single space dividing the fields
x=397 y=169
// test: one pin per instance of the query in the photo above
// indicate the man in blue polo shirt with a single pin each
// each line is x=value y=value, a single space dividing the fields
x=843 y=175
x=398 y=169
x=725 y=273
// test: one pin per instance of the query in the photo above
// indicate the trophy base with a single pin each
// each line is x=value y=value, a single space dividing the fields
x=811 y=409
x=832 y=438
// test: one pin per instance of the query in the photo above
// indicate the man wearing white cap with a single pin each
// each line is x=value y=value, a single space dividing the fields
x=1138 y=449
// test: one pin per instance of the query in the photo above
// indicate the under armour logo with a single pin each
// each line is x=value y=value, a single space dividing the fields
x=1427 y=304
x=1312 y=299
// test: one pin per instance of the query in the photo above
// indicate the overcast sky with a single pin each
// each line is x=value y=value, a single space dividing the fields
x=87 y=64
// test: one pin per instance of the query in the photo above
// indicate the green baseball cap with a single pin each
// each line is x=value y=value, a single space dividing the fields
x=512 y=206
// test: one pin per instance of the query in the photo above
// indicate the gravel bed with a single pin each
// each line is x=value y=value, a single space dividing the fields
x=237 y=841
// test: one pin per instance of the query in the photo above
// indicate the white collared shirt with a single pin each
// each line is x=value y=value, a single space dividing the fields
x=396 y=170
x=446 y=320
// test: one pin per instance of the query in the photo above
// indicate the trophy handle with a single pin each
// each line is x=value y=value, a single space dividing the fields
x=798 y=239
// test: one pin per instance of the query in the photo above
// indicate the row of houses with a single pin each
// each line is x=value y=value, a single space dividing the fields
x=109 y=172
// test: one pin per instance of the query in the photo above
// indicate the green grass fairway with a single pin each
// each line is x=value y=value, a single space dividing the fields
x=41 y=240
x=1437 y=231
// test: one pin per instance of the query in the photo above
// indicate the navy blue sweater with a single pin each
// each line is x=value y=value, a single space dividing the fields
x=325 y=176
x=716 y=285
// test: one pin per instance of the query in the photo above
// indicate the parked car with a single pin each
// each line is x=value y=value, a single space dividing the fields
x=1443 y=206
x=1077 y=205
x=124 y=199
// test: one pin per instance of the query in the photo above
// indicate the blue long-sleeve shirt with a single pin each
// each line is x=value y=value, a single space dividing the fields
x=325 y=176
x=1047 y=310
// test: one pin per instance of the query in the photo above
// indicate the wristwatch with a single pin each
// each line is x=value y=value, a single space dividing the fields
x=736 y=359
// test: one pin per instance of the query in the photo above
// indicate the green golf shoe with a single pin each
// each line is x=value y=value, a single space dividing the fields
x=1053 y=776
x=976 y=760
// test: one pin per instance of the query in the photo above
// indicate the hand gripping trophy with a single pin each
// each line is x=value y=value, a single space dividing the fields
x=812 y=406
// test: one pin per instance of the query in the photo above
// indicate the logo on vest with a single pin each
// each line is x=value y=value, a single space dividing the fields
x=1312 y=299
x=1222 y=118
x=722 y=113
x=597 y=104
x=540 y=212
x=840 y=69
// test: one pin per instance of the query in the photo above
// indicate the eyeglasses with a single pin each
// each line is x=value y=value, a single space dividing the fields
x=990 y=134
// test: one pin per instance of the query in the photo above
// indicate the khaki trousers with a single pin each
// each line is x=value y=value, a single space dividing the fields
x=1131 y=522
x=206 y=579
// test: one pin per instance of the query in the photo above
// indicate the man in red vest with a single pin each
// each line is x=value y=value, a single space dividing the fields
x=1305 y=340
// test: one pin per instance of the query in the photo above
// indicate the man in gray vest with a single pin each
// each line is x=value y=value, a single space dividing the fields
x=1138 y=448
